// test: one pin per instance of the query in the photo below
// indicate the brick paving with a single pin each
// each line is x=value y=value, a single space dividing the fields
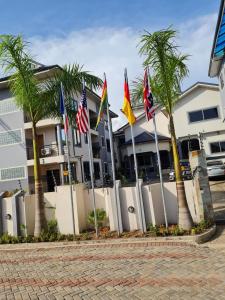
x=134 y=270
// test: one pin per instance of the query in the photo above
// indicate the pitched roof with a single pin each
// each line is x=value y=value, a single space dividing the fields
x=146 y=137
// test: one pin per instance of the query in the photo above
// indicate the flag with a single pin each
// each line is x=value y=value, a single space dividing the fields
x=63 y=110
x=148 y=98
x=103 y=104
x=82 y=114
x=127 y=109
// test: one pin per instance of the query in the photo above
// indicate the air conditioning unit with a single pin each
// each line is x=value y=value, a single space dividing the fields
x=46 y=151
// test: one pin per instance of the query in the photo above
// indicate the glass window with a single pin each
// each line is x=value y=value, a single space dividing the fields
x=108 y=145
x=87 y=175
x=74 y=105
x=12 y=173
x=97 y=170
x=195 y=116
x=222 y=146
x=10 y=137
x=76 y=137
x=85 y=138
x=215 y=147
x=106 y=167
x=210 y=113
x=8 y=106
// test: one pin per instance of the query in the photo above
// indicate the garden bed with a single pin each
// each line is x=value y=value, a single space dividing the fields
x=199 y=233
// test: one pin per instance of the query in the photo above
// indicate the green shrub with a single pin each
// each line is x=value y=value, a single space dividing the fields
x=101 y=217
x=52 y=226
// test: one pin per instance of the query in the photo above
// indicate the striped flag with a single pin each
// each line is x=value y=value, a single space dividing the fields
x=63 y=110
x=148 y=98
x=82 y=114
x=103 y=103
x=127 y=109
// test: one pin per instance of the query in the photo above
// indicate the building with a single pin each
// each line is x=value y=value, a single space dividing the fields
x=16 y=150
x=216 y=66
x=144 y=144
x=198 y=124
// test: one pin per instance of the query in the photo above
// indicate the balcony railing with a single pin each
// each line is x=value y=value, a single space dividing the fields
x=46 y=151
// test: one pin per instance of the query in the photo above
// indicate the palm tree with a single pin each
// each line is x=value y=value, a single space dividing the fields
x=169 y=69
x=38 y=99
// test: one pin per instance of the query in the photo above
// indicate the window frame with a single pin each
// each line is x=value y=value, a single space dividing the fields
x=9 y=112
x=16 y=143
x=17 y=178
x=202 y=111
x=219 y=142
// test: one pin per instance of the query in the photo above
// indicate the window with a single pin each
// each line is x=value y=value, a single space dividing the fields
x=10 y=137
x=103 y=141
x=105 y=168
x=87 y=175
x=74 y=105
x=97 y=170
x=76 y=137
x=12 y=173
x=203 y=114
x=210 y=113
x=85 y=138
x=108 y=145
x=217 y=147
x=8 y=106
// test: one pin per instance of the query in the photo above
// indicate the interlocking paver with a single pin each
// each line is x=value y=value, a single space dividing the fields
x=141 y=270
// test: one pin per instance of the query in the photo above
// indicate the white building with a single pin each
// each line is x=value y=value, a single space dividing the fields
x=16 y=150
x=198 y=124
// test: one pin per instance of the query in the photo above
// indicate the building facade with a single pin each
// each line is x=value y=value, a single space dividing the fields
x=16 y=149
x=198 y=124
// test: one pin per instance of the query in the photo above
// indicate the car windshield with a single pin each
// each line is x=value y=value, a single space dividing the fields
x=215 y=163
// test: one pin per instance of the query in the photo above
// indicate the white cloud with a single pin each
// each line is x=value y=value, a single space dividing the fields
x=110 y=50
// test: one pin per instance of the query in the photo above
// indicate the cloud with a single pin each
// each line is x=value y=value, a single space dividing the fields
x=111 y=49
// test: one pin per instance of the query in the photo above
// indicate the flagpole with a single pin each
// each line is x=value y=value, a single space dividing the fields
x=68 y=165
x=113 y=164
x=137 y=180
x=91 y=171
x=159 y=164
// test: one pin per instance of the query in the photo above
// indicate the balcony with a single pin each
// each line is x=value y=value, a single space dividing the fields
x=41 y=123
x=47 y=154
x=93 y=120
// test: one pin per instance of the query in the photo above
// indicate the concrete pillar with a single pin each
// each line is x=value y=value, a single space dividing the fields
x=141 y=212
x=16 y=213
x=116 y=189
x=202 y=191
x=59 y=139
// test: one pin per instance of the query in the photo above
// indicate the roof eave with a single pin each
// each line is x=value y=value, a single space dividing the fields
x=211 y=72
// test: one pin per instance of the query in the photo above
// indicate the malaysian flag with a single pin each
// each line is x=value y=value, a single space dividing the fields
x=82 y=115
x=148 y=98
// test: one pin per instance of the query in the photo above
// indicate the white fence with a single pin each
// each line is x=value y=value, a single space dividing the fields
x=19 y=210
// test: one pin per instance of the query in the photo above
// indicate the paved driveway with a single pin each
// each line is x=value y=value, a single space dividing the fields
x=138 y=270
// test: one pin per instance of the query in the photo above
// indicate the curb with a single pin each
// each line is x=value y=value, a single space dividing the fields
x=173 y=241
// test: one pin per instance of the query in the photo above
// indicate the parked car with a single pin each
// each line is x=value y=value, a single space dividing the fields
x=185 y=171
x=215 y=168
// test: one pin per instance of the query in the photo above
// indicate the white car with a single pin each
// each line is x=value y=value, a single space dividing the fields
x=215 y=168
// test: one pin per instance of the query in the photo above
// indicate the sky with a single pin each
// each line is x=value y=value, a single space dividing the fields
x=102 y=35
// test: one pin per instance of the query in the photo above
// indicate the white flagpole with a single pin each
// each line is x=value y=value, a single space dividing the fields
x=159 y=164
x=113 y=164
x=91 y=170
x=68 y=163
x=137 y=181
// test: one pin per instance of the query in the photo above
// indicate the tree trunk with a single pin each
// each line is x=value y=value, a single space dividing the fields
x=184 y=216
x=40 y=221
